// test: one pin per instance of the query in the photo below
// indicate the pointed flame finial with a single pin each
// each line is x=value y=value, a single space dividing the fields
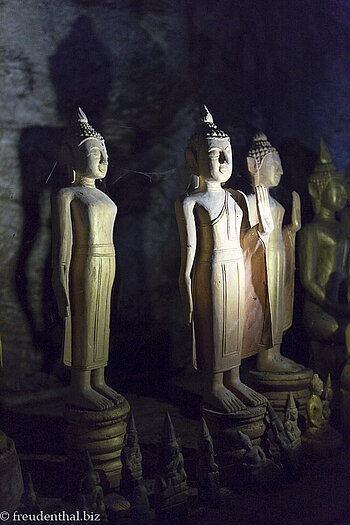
x=291 y=401
x=325 y=156
x=169 y=435
x=208 y=117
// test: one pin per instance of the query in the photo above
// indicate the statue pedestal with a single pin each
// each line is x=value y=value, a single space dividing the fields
x=11 y=482
x=102 y=434
x=224 y=431
x=275 y=386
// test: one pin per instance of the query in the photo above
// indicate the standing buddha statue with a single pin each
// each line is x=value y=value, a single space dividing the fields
x=212 y=222
x=83 y=260
x=265 y=168
x=317 y=420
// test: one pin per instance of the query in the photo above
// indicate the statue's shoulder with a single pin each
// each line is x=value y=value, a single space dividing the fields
x=64 y=193
x=186 y=201
x=246 y=205
x=251 y=201
x=238 y=196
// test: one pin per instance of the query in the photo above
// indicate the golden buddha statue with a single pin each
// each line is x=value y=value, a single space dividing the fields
x=265 y=168
x=316 y=418
x=324 y=255
x=83 y=260
x=319 y=437
x=211 y=222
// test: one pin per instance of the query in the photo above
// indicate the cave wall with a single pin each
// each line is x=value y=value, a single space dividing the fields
x=140 y=69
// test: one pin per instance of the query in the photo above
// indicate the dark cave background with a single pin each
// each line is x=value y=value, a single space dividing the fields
x=140 y=70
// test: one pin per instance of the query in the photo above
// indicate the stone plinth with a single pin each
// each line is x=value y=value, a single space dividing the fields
x=11 y=482
x=102 y=434
x=224 y=431
x=275 y=386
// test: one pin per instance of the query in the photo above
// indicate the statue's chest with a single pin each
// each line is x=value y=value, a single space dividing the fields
x=277 y=212
x=93 y=205
x=334 y=246
x=223 y=222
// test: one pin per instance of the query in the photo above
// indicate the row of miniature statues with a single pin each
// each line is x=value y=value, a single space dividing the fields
x=237 y=264
x=264 y=463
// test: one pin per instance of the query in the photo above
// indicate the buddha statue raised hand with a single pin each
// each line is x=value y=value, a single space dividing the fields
x=265 y=168
x=83 y=261
x=212 y=274
x=324 y=255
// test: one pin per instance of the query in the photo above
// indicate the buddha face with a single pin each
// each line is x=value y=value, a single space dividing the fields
x=292 y=414
x=92 y=159
x=215 y=159
x=334 y=196
x=269 y=174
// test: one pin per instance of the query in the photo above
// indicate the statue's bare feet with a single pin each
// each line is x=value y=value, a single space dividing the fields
x=276 y=363
x=223 y=400
x=108 y=392
x=89 y=399
x=246 y=394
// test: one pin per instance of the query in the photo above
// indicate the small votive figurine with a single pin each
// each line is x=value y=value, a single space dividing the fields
x=320 y=437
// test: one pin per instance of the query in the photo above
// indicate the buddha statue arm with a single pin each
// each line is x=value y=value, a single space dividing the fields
x=61 y=249
x=188 y=238
x=264 y=211
x=259 y=212
x=308 y=261
x=308 y=255
x=296 y=214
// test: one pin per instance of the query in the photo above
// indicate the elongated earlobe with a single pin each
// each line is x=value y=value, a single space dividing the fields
x=315 y=196
x=251 y=163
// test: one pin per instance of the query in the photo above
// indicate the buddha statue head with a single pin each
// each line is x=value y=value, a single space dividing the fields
x=208 y=153
x=264 y=163
x=327 y=187
x=84 y=151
